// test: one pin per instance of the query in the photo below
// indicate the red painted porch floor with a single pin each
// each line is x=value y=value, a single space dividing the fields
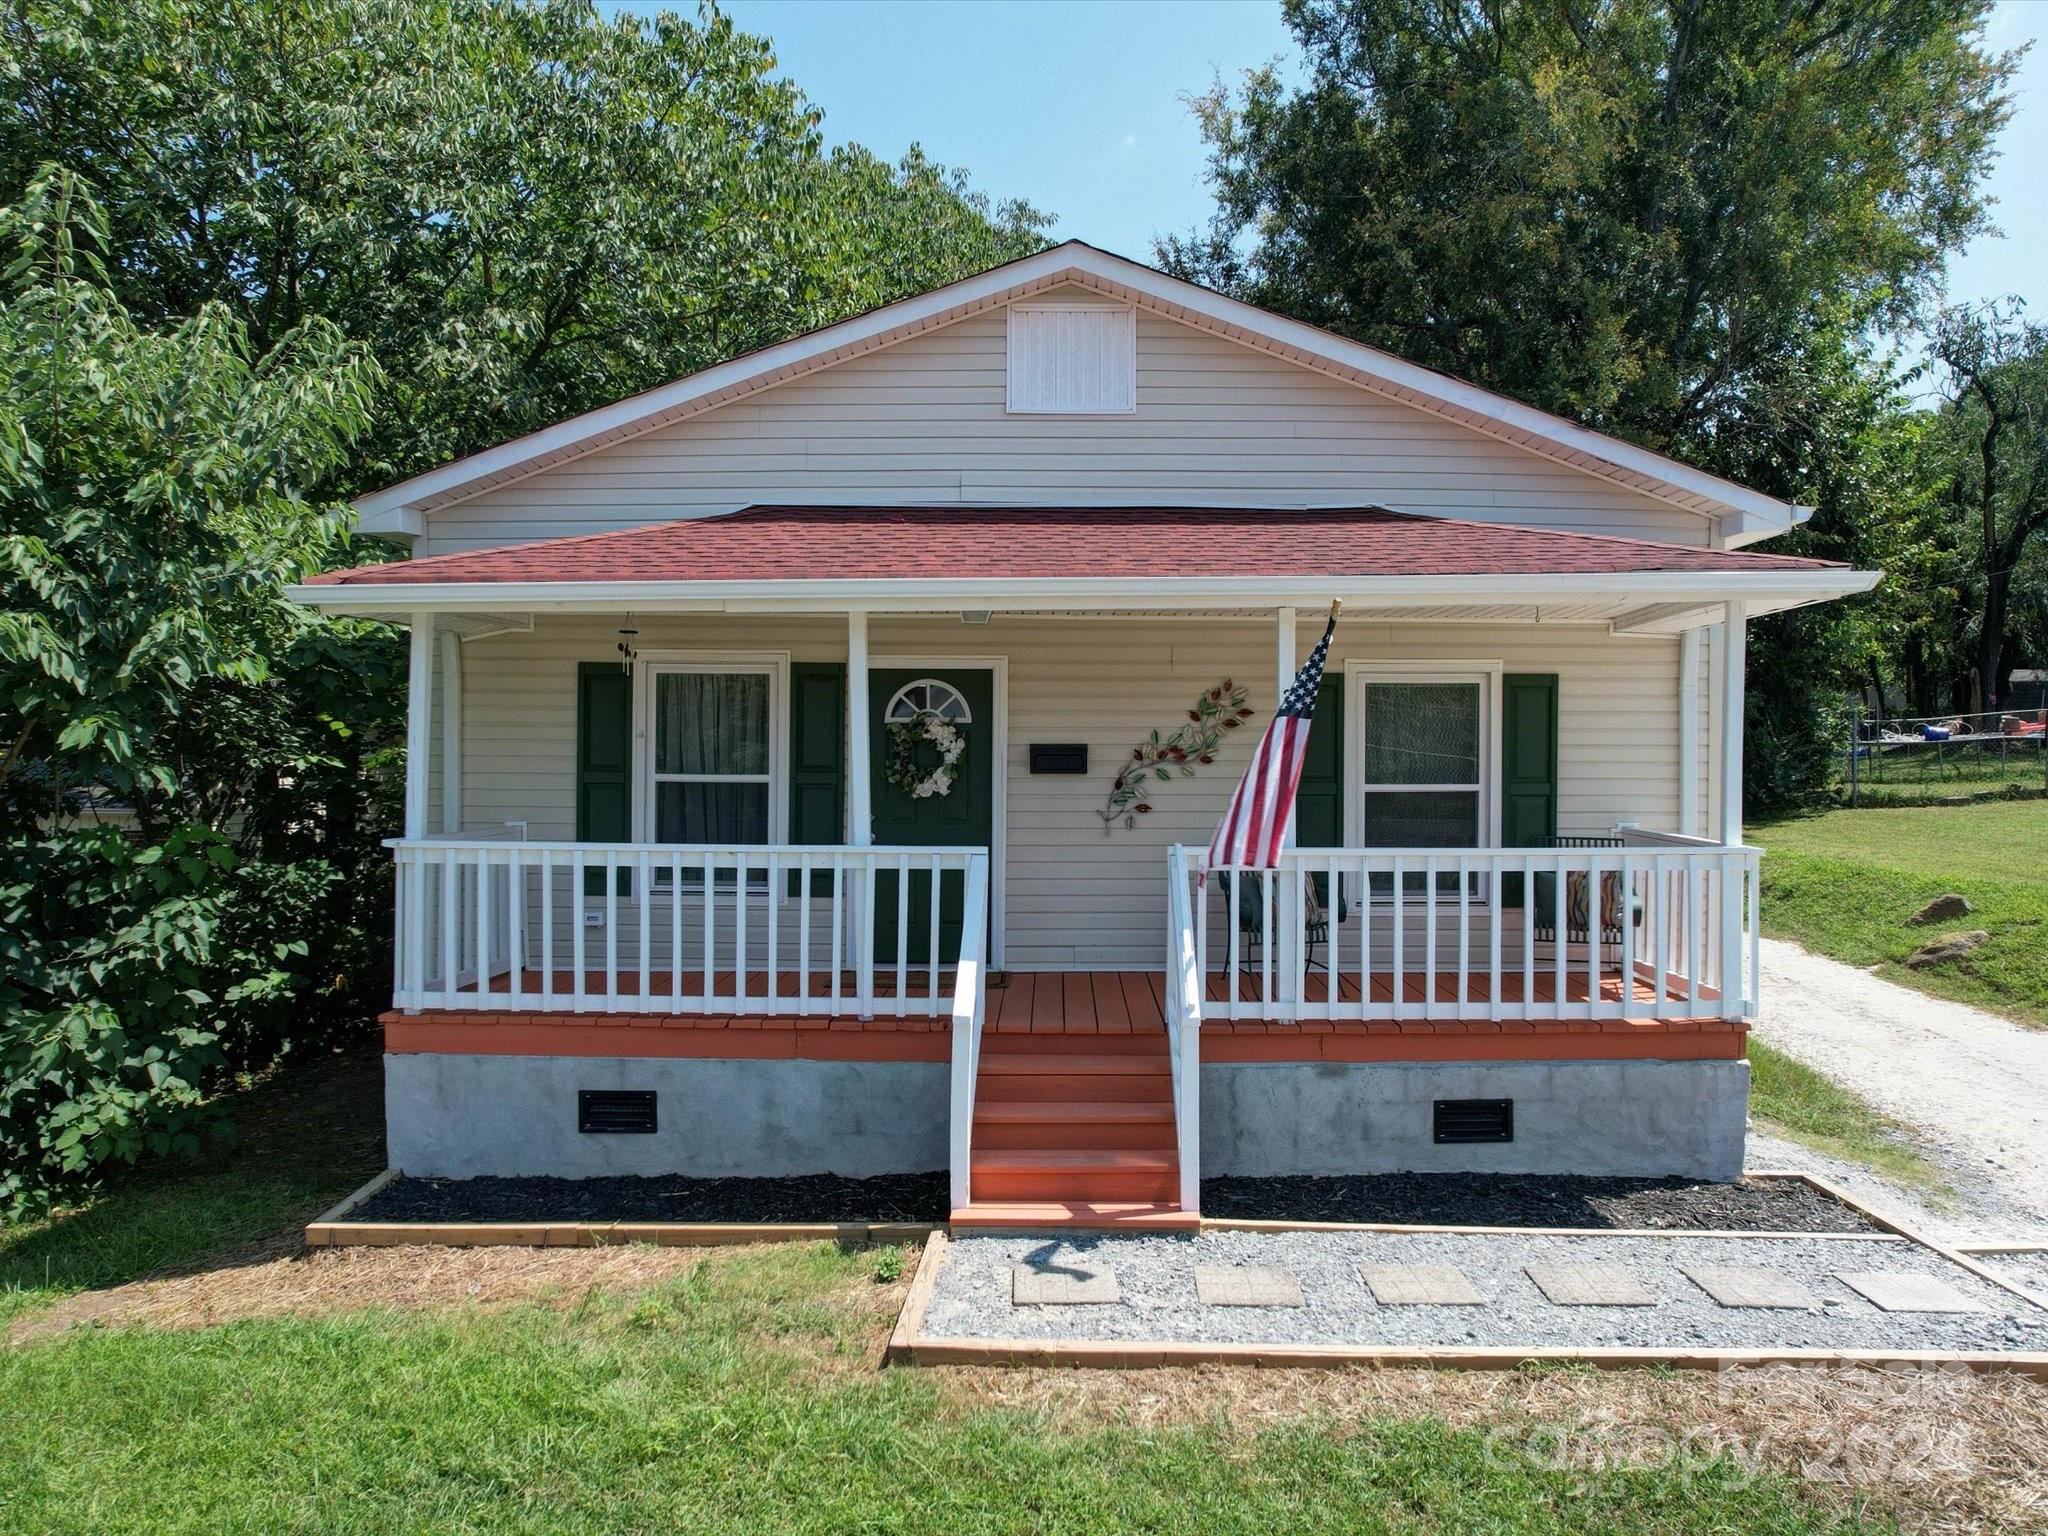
x=1081 y=1002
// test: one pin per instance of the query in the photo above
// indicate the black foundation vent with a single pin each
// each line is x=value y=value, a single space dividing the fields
x=615 y=1111
x=1460 y=1120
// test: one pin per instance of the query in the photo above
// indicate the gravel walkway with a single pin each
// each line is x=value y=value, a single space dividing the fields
x=1972 y=1085
x=1155 y=1275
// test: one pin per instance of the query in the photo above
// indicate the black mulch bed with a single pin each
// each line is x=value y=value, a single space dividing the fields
x=1531 y=1200
x=814 y=1197
x=1431 y=1199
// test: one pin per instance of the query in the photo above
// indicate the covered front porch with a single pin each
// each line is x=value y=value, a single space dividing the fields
x=657 y=826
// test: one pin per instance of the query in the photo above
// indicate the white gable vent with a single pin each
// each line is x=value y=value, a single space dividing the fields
x=1073 y=359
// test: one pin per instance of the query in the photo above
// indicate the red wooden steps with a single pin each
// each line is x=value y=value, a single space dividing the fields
x=1074 y=1131
x=1110 y=1215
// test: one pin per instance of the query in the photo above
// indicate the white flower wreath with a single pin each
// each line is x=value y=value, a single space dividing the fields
x=904 y=735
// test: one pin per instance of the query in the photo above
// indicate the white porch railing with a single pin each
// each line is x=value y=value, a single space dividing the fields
x=1184 y=1025
x=494 y=925
x=1661 y=927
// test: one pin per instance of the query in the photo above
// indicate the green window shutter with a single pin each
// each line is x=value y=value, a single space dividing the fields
x=1528 y=756
x=817 y=759
x=1319 y=802
x=604 y=760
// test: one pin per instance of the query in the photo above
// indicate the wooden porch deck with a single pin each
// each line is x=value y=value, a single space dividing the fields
x=1112 y=1011
x=1055 y=1002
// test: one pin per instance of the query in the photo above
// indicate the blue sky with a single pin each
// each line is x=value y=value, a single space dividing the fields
x=1077 y=106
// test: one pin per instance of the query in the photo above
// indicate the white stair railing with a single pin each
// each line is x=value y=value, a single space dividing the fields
x=1184 y=983
x=970 y=1009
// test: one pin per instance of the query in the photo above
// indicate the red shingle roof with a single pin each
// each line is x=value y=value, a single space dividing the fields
x=924 y=543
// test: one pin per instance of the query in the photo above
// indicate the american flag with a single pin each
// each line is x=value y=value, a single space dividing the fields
x=1255 y=826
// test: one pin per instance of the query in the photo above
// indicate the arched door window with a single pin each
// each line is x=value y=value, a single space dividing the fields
x=928 y=695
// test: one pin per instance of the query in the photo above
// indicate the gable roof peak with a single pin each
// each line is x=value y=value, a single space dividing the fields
x=1744 y=515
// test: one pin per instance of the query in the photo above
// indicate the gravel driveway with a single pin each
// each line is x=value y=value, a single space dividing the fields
x=1972 y=1085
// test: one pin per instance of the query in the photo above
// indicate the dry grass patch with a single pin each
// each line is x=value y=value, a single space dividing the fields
x=329 y=1280
x=1940 y=1450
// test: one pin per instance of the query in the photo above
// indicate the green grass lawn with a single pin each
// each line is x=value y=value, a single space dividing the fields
x=308 y=1136
x=742 y=1394
x=737 y=1399
x=1844 y=883
x=1793 y=1100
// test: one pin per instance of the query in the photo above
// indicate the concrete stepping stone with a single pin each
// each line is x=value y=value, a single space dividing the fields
x=1065 y=1285
x=1589 y=1285
x=1246 y=1285
x=1419 y=1285
x=1736 y=1285
x=1893 y=1291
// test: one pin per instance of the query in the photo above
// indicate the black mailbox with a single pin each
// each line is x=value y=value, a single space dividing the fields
x=1059 y=757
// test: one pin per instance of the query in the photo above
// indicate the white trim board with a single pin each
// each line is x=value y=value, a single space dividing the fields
x=647 y=665
x=1360 y=670
x=1739 y=515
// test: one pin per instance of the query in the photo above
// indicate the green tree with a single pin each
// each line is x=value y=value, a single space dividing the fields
x=1633 y=212
x=497 y=214
x=523 y=210
x=1681 y=223
x=1993 y=459
x=151 y=509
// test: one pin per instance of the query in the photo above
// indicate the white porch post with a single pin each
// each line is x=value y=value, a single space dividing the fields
x=1689 y=732
x=409 y=959
x=451 y=734
x=859 y=806
x=1731 y=971
x=1284 y=920
x=419 y=720
x=859 y=794
x=1734 y=657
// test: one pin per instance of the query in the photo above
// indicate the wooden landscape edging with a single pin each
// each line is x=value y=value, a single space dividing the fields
x=1904 y=1229
x=331 y=1229
x=1246 y=1224
x=909 y=1345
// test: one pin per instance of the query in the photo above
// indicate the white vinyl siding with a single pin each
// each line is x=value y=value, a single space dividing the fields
x=1072 y=359
x=925 y=421
x=1077 y=895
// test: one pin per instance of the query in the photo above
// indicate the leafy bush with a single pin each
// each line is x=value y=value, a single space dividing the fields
x=181 y=819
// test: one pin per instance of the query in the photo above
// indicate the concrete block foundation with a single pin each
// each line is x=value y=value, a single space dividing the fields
x=1639 y=1118
x=460 y=1116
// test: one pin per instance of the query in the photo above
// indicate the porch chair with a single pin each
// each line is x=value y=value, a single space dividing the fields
x=1315 y=917
x=1578 y=906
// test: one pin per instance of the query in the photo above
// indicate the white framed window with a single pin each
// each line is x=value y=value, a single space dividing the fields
x=713 y=758
x=1424 y=757
x=1072 y=359
x=928 y=695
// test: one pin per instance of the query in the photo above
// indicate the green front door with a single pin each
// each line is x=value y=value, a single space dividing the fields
x=960 y=818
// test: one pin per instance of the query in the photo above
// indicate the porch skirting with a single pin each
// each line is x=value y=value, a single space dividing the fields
x=467 y=1116
x=1639 y=1118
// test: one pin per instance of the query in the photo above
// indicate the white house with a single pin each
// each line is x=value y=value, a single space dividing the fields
x=714 y=687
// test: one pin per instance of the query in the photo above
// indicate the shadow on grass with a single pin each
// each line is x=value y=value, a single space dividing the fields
x=308 y=1135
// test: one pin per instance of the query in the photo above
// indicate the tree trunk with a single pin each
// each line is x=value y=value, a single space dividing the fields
x=1991 y=634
